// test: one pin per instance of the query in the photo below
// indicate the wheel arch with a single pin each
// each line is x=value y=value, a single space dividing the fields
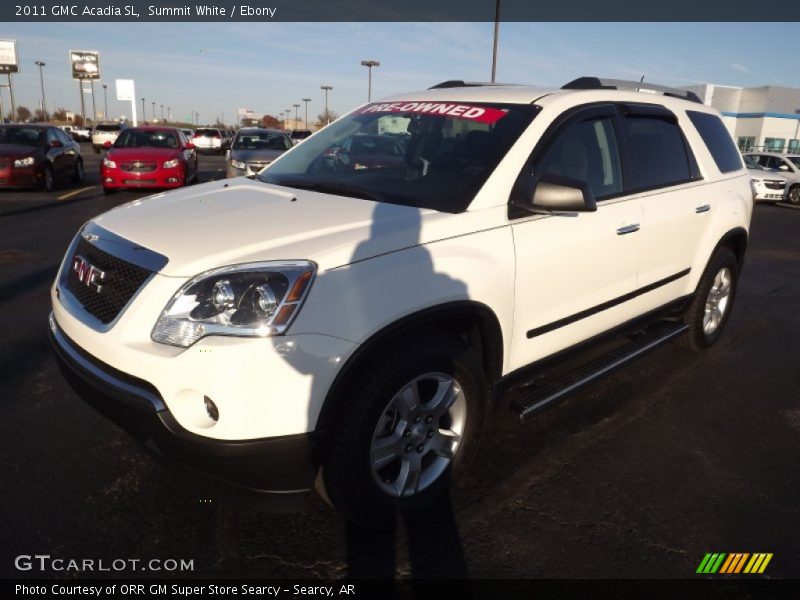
x=472 y=320
x=736 y=239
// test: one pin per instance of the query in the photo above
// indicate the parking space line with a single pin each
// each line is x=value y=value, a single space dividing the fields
x=75 y=192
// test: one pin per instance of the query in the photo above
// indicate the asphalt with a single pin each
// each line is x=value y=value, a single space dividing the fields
x=638 y=476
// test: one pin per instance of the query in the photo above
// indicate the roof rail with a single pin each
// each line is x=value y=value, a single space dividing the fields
x=596 y=83
x=454 y=83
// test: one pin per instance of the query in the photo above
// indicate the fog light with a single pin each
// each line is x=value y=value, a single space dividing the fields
x=211 y=409
x=109 y=180
x=172 y=180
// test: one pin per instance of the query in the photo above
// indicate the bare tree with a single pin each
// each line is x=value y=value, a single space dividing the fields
x=60 y=114
x=324 y=118
x=269 y=121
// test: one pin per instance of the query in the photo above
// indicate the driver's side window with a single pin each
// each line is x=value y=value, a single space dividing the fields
x=587 y=151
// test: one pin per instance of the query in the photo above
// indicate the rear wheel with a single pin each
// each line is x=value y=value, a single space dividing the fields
x=708 y=314
x=409 y=425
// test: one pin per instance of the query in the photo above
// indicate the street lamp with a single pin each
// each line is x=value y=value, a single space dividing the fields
x=144 y=115
x=496 y=34
x=169 y=114
x=154 y=110
x=369 y=64
x=296 y=118
x=327 y=88
x=306 y=100
x=40 y=64
x=105 y=100
x=162 y=112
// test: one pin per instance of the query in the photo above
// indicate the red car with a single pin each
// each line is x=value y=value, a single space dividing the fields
x=148 y=157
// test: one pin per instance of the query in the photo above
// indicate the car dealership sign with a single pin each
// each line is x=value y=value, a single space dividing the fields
x=85 y=64
x=8 y=56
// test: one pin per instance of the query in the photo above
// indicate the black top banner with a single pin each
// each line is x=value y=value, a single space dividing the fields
x=396 y=10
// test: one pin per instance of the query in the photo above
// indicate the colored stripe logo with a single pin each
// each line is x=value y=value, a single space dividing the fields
x=734 y=563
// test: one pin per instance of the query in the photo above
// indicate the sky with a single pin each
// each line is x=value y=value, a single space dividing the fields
x=215 y=68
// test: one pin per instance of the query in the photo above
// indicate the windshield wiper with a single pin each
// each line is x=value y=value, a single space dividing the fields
x=329 y=188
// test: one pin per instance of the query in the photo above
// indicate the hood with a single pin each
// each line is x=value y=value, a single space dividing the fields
x=123 y=154
x=759 y=174
x=14 y=151
x=257 y=155
x=241 y=220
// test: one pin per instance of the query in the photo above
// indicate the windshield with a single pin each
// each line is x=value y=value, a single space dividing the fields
x=132 y=138
x=795 y=160
x=425 y=154
x=752 y=164
x=261 y=140
x=22 y=136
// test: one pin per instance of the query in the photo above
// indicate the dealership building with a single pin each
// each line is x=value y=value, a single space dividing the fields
x=760 y=118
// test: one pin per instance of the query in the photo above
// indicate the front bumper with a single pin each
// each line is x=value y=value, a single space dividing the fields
x=277 y=472
x=158 y=179
x=20 y=177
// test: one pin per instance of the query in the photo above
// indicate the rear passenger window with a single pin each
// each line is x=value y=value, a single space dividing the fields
x=717 y=140
x=658 y=152
x=587 y=151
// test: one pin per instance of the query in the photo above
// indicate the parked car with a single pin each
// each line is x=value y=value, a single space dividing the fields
x=210 y=140
x=298 y=135
x=79 y=134
x=768 y=186
x=38 y=156
x=253 y=149
x=365 y=151
x=149 y=157
x=350 y=329
x=189 y=133
x=105 y=134
x=787 y=165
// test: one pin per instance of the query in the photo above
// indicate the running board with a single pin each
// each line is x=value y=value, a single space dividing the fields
x=542 y=396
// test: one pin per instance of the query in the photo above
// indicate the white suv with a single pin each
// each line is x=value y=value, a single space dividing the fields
x=347 y=317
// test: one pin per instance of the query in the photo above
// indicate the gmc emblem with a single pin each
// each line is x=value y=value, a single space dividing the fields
x=88 y=274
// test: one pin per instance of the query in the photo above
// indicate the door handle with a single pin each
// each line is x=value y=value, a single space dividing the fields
x=628 y=229
x=703 y=208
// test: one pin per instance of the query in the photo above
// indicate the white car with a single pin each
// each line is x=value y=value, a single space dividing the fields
x=768 y=186
x=787 y=165
x=210 y=140
x=347 y=320
x=104 y=135
x=79 y=134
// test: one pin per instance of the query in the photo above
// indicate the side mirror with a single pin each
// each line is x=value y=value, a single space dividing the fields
x=189 y=146
x=106 y=144
x=556 y=195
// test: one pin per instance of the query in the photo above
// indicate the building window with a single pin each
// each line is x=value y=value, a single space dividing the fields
x=746 y=143
x=794 y=146
x=774 y=144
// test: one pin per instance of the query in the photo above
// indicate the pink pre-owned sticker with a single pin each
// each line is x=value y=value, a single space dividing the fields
x=470 y=112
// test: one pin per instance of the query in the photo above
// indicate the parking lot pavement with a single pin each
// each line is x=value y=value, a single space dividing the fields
x=13 y=202
x=638 y=476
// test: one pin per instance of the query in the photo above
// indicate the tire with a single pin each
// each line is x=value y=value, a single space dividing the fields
x=365 y=423
x=794 y=195
x=705 y=323
x=109 y=191
x=48 y=180
x=78 y=175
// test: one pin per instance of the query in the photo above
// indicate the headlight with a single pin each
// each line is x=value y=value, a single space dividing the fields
x=24 y=162
x=237 y=164
x=109 y=163
x=171 y=164
x=249 y=300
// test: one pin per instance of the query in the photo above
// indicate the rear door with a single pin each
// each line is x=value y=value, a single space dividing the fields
x=677 y=206
x=574 y=273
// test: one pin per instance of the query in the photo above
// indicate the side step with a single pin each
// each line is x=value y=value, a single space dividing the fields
x=542 y=396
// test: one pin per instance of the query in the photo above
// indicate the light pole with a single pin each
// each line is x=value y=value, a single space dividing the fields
x=154 y=110
x=144 y=115
x=169 y=114
x=162 y=112
x=327 y=89
x=796 y=128
x=496 y=34
x=105 y=100
x=369 y=64
x=306 y=100
x=40 y=64
x=296 y=118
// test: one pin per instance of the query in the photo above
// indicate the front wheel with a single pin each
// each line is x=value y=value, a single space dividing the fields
x=48 y=181
x=409 y=425
x=794 y=195
x=78 y=174
x=711 y=307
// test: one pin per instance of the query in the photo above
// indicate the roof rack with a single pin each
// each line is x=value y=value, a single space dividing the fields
x=596 y=83
x=454 y=83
